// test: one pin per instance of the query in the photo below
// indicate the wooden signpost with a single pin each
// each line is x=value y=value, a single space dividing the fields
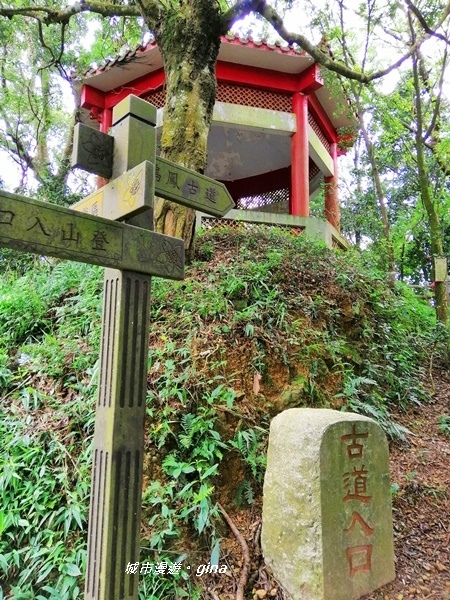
x=131 y=254
x=127 y=196
x=52 y=230
x=440 y=268
x=172 y=181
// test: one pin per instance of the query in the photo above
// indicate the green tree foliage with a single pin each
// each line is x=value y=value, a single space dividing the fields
x=34 y=129
x=400 y=167
x=188 y=34
x=37 y=61
x=392 y=128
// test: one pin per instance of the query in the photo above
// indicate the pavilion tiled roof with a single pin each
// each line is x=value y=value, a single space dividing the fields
x=127 y=54
x=131 y=64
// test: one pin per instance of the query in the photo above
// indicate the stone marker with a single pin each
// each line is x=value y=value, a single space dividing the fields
x=327 y=518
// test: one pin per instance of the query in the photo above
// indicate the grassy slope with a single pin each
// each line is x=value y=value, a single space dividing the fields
x=262 y=322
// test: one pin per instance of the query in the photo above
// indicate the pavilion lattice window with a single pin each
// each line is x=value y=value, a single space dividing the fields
x=157 y=98
x=264 y=199
x=319 y=132
x=209 y=223
x=238 y=94
x=274 y=197
x=313 y=169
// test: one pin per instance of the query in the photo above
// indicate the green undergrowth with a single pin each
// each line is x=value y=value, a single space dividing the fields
x=262 y=322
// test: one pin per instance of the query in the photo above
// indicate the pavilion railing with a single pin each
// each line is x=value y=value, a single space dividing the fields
x=249 y=219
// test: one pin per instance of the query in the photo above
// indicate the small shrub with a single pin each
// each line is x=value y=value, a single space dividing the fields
x=444 y=424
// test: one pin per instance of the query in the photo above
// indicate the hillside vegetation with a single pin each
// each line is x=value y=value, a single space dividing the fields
x=262 y=322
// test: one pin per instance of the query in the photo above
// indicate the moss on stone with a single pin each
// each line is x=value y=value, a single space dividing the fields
x=307 y=525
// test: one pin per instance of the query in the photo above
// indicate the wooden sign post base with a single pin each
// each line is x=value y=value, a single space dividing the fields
x=114 y=520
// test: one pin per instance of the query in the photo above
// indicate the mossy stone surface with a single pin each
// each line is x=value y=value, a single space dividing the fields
x=327 y=518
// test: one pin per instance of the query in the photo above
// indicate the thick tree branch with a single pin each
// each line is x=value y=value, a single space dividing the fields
x=445 y=169
x=47 y=14
x=345 y=49
x=244 y=7
x=433 y=128
x=25 y=158
x=20 y=154
x=151 y=10
x=423 y=22
x=55 y=60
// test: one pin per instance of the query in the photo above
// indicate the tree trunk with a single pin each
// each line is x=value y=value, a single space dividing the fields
x=430 y=207
x=378 y=189
x=189 y=41
x=42 y=160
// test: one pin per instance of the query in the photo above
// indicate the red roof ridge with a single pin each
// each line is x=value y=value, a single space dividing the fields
x=235 y=38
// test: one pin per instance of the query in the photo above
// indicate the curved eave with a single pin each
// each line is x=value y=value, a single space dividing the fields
x=120 y=71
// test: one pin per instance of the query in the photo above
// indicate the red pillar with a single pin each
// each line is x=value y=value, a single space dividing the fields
x=299 y=200
x=331 y=192
x=106 y=120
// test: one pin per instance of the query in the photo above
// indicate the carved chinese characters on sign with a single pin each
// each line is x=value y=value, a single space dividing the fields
x=183 y=186
x=192 y=186
x=355 y=485
x=354 y=445
x=357 y=519
x=99 y=241
x=211 y=195
x=333 y=539
x=124 y=197
x=51 y=230
x=38 y=223
x=6 y=217
x=172 y=180
x=96 y=153
x=71 y=235
x=54 y=230
x=93 y=205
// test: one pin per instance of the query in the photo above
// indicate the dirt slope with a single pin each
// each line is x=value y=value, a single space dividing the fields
x=421 y=504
